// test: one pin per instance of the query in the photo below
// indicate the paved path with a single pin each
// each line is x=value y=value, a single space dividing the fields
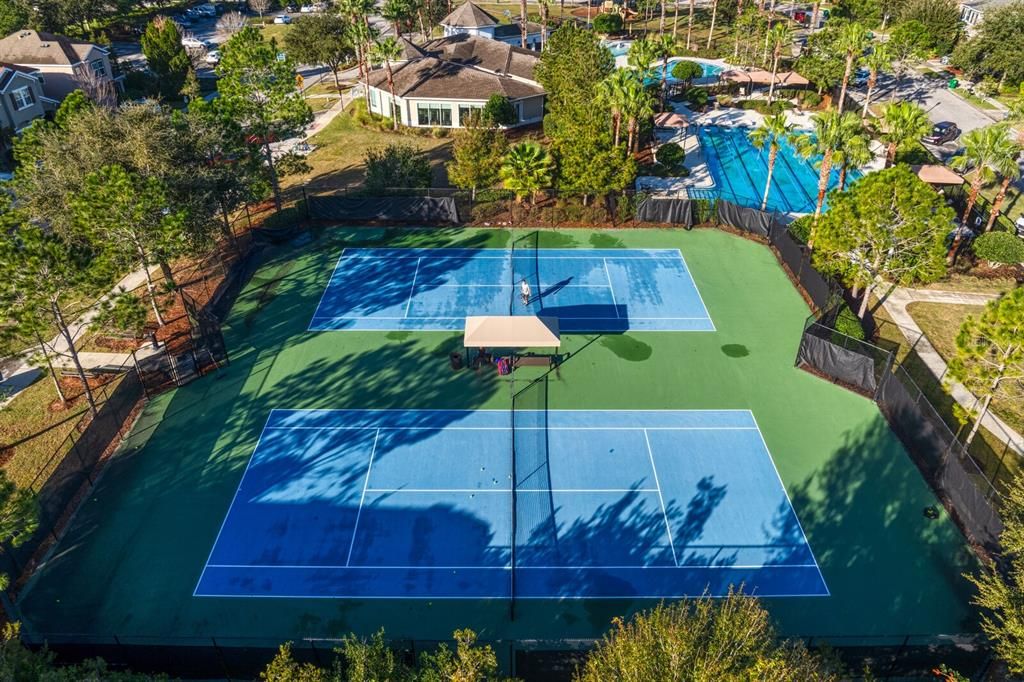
x=19 y=373
x=896 y=305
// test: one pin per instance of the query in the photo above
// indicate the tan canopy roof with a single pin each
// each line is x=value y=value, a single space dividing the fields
x=938 y=175
x=668 y=119
x=762 y=77
x=517 y=331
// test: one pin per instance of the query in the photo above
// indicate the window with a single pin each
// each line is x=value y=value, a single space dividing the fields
x=467 y=110
x=22 y=98
x=374 y=102
x=434 y=114
x=98 y=67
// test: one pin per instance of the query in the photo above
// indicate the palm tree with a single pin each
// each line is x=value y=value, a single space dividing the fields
x=770 y=133
x=832 y=131
x=384 y=52
x=665 y=47
x=522 y=24
x=643 y=53
x=637 y=104
x=854 y=152
x=714 y=15
x=989 y=151
x=689 y=26
x=362 y=35
x=877 y=62
x=612 y=91
x=526 y=169
x=544 y=10
x=853 y=38
x=903 y=124
x=396 y=11
x=779 y=36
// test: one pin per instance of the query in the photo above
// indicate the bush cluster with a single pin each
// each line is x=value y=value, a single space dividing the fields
x=999 y=247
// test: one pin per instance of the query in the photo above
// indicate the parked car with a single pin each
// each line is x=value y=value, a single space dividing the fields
x=292 y=8
x=860 y=78
x=942 y=132
x=213 y=57
x=181 y=20
x=193 y=43
x=282 y=19
x=306 y=9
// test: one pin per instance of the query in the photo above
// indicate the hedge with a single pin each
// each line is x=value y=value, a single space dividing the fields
x=999 y=247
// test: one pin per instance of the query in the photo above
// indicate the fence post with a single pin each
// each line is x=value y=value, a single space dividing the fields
x=885 y=376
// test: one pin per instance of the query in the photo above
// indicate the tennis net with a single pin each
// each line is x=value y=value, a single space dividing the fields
x=534 y=534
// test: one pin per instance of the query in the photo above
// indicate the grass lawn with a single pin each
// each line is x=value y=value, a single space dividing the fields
x=337 y=161
x=1013 y=204
x=941 y=322
x=275 y=32
x=974 y=99
x=968 y=283
x=30 y=432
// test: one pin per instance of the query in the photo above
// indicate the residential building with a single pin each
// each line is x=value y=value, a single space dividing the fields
x=452 y=77
x=21 y=97
x=472 y=20
x=63 y=63
x=973 y=11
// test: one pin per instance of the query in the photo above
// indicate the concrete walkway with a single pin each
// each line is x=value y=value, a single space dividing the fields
x=19 y=373
x=896 y=305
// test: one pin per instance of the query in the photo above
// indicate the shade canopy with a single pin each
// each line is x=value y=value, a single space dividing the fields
x=761 y=77
x=670 y=119
x=511 y=331
x=938 y=175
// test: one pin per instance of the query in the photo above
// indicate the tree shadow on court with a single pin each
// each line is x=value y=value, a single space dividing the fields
x=890 y=569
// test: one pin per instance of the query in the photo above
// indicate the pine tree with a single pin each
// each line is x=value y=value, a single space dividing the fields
x=166 y=56
x=477 y=153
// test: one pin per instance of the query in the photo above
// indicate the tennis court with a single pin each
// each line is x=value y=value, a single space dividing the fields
x=589 y=290
x=421 y=504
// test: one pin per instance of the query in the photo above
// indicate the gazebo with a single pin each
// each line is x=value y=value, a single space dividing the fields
x=938 y=176
x=763 y=79
x=513 y=332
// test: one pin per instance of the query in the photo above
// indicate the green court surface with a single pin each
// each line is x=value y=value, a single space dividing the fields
x=133 y=555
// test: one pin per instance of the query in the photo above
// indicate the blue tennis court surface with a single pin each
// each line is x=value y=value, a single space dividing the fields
x=589 y=290
x=419 y=504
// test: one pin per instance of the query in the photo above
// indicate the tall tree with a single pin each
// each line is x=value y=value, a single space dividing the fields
x=902 y=124
x=1007 y=167
x=527 y=169
x=261 y=7
x=714 y=18
x=362 y=35
x=258 y=91
x=989 y=358
x=637 y=106
x=665 y=46
x=832 y=129
x=165 y=55
x=853 y=38
x=701 y=639
x=477 y=153
x=940 y=19
x=852 y=153
x=987 y=152
x=996 y=49
x=384 y=52
x=522 y=24
x=779 y=36
x=689 y=26
x=643 y=53
x=879 y=61
x=323 y=39
x=230 y=23
x=44 y=273
x=134 y=217
x=773 y=131
x=890 y=226
x=908 y=44
x=397 y=12
x=612 y=93
x=19 y=518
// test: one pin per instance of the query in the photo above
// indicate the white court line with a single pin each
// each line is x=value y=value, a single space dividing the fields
x=664 y=513
x=508 y=490
x=230 y=506
x=506 y=567
x=791 y=507
x=707 y=313
x=359 y=511
x=412 y=289
x=615 y=305
x=507 y=428
x=327 y=288
x=509 y=286
x=462 y=317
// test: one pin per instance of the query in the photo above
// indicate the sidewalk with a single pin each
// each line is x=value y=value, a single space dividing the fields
x=896 y=305
x=18 y=373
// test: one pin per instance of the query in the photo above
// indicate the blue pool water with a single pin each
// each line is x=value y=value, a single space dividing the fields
x=619 y=49
x=710 y=70
x=740 y=171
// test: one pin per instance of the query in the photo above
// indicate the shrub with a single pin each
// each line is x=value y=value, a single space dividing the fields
x=686 y=71
x=608 y=23
x=848 y=323
x=761 y=106
x=669 y=154
x=809 y=98
x=999 y=247
x=800 y=229
x=499 y=111
x=696 y=97
x=988 y=87
x=396 y=165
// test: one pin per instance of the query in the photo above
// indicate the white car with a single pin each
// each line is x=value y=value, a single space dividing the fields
x=213 y=57
x=282 y=19
x=306 y=9
x=194 y=43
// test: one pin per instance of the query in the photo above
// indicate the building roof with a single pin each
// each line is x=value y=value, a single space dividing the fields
x=432 y=78
x=470 y=15
x=669 y=119
x=9 y=71
x=37 y=47
x=491 y=55
x=938 y=175
x=762 y=77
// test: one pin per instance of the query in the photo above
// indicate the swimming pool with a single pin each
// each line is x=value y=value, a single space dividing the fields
x=710 y=70
x=619 y=48
x=740 y=171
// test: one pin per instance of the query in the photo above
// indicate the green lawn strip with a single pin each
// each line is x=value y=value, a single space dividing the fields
x=131 y=561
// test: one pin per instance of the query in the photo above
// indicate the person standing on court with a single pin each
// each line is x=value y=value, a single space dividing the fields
x=524 y=292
